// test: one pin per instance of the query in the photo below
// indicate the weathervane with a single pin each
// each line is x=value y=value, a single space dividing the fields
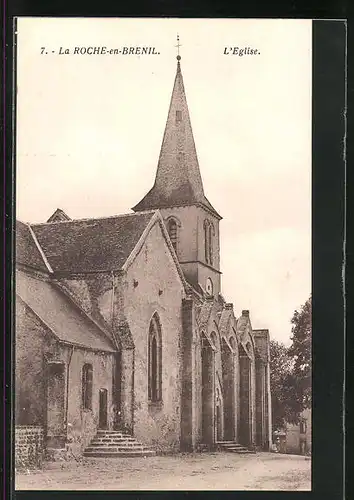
x=178 y=46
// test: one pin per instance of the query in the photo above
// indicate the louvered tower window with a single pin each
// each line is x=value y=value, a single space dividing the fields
x=172 y=231
x=208 y=242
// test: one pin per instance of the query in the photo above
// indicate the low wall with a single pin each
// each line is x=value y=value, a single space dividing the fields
x=28 y=446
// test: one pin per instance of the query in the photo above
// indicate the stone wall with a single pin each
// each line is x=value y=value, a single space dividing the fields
x=253 y=402
x=32 y=341
x=187 y=246
x=261 y=427
x=153 y=285
x=28 y=446
x=35 y=348
x=82 y=424
x=188 y=377
x=127 y=302
x=191 y=244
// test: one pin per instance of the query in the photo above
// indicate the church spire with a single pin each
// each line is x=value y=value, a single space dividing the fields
x=178 y=181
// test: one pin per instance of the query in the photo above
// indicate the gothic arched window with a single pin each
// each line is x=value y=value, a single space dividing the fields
x=208 y=241
x=87 y=373
x=172 y=231
x=211 y=244
x=155 y=361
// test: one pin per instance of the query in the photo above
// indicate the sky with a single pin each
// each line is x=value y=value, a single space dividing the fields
x=90 y=127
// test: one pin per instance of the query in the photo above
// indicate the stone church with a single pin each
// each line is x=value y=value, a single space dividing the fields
x=121 y=326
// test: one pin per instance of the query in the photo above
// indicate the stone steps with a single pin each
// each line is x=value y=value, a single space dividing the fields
x=96 y=442
x=119 y=454
x=234 y=447
x=114 y=439
x=111 y=434
x=114 y=449
x=116 y=444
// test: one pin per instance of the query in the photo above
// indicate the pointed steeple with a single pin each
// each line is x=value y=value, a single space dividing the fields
x=178 y=181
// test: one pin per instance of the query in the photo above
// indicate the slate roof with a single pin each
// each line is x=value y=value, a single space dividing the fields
x=178 y=181
x=27 y=252
x=89 y=245
x=60 y=314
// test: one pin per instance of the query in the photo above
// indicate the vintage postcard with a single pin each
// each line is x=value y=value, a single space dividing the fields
x=163 y=254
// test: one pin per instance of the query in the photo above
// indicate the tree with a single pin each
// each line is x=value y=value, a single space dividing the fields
x=301 y=353
x=281 y=384
x=291 y=370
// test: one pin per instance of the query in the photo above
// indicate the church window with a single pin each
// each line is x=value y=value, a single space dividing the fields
x=178 y=116
x=155 y=361
x=87 y=386
x=208 y=241
x=172 y=231
x=210 y=245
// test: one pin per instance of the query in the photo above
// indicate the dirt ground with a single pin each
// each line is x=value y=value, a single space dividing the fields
x=206 y=471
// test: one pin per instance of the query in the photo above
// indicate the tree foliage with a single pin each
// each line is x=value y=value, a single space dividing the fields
x=301 y=353
x=281 y=386
x=290 y=369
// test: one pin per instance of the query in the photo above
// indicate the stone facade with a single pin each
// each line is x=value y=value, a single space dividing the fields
x=37 y=351
x=129 y=312
x=156 y=278
x=191 y=245
x=29 y=446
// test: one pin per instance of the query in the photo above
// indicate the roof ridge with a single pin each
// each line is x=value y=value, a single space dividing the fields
x=152 y=211
x=86 y=245
x=29 y=252
x=36 y=242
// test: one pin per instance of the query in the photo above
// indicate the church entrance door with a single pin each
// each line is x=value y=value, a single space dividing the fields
x=102 y=416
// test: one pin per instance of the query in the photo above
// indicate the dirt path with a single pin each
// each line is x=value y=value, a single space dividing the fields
x=218 y=471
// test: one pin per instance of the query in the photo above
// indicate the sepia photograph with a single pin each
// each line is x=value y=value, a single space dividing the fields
x=163 y=298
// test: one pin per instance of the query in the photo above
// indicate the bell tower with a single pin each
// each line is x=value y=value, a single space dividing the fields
x=191 y=220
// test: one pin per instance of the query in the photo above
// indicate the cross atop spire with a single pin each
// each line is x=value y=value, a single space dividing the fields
x=178 y=46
